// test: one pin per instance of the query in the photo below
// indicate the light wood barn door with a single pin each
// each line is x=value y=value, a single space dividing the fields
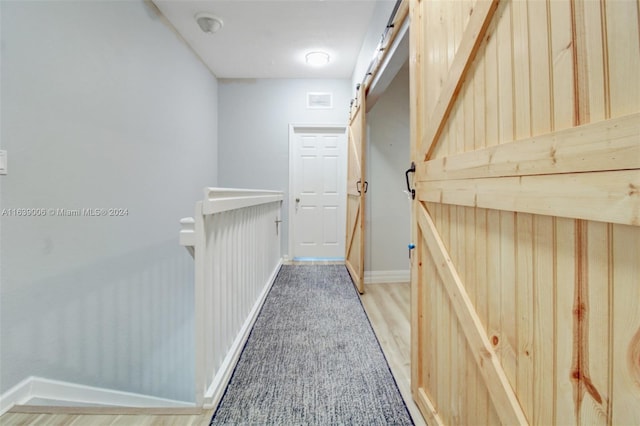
x=356 y=188
x=526 y=271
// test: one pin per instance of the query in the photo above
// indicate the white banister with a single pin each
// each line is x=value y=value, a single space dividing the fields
x=235 y=242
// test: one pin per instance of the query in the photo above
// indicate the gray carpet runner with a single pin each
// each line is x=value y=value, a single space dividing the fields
x=312 y=359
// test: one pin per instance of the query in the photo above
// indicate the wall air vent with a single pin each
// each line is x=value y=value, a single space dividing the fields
x=319 y=100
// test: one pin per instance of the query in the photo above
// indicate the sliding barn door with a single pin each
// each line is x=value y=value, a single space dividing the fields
x=356 y=188
x=526 y=272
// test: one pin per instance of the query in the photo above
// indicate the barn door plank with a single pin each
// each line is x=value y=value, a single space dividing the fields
x=604 y=145
x=471 y=40
x=497 y=383
x=612 y=196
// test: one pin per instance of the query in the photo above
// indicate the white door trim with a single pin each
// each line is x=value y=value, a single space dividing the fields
x=293 y=128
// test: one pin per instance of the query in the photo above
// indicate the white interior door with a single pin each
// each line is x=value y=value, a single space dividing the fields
x=318 y=192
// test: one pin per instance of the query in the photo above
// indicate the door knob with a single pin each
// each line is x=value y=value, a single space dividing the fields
x=297 y=200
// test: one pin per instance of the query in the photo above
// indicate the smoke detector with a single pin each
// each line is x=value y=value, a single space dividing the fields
x=208 y=22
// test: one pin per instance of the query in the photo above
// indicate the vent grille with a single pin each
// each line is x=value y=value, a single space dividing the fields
x=319 y=100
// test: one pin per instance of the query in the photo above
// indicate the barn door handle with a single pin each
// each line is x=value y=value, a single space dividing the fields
x=365 y=187
x=411 y=169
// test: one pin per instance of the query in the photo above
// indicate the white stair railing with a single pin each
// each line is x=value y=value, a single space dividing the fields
x=235 y=241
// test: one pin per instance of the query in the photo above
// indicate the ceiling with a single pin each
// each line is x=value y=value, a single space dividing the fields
x=269 y=39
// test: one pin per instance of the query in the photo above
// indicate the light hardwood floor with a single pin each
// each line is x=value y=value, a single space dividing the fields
x=387 y=306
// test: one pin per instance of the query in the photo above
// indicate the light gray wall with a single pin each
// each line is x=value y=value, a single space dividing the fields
x=102 y=107
x=387 y=206
x=253 y=149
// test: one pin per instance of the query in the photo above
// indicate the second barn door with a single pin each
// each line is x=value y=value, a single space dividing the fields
x=356 y=190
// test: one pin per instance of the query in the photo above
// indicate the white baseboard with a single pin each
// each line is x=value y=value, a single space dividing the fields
x=17 y=395
x=379 y=277
x=72 y=394
x=216 y=391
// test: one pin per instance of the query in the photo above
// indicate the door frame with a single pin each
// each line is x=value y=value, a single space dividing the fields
x=293 y=128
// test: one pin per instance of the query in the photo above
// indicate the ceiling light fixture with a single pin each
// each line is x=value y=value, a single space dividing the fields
x=209 y=23
x=317 y=58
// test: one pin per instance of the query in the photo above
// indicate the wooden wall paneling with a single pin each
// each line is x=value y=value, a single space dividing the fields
x=439 y=374
x=492 y=134
x=466 y=10
x=430 y=369
x=594 y=39
x=420 y=306
x=501 y=391
x=544 y=321
x=494 y=291
x=562 y=65
x=521 y=75
x=508 y=319
x=623 y=53
x=494 y=294
x=435 y=69
x=525 y=314
x=435 y=319
x=539 y=42
x=457 y=353
x=579 y=54
x=596 y=318
x=448 y=231
x=479 y=99
x=433 y=72
x=565 y=278
x=472 y=413
x=448 y=26
x=506 y=104
x=469 y=130
x=479 y=259
x=625 y=353
x=444 y=333
x=464 y=118
x=468 y=383
x=416 y=78
x=470 y=42
x=456 y=27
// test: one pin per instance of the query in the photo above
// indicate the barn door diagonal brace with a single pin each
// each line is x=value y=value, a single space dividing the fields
x=491 y=369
